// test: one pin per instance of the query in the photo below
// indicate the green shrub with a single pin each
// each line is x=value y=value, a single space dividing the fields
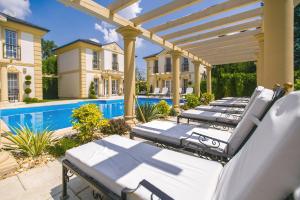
x=87 y=120
x=149 y=111
x=92 y=93
x=31 y=100
x=116 y=126
x=184 y=107
x=27 y=77
x=206 y=98
x=163 y=108
x=173 y=112
x=27 y=91
x=192 y=100
x=62 y=145
x=27 y=83
x=27 y=142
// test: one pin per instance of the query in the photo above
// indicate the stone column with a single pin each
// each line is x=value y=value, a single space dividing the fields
x=279 y=42
x=4 y=86
x=129 y=35
x=197 y=77
x=109 y=86
x=21 y=89
x=260 y=59
x=120 y=86
x=208 y=80
x=176 y=77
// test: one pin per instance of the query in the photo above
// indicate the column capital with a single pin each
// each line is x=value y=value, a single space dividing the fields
x=175 y=52
x=196 y=62
x=208 y=67
x=260 y=37
x=129 y=32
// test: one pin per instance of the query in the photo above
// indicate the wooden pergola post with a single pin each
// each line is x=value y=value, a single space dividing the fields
x=4 y=91
x=129 y=35
x=208 y=79
x=176 y=77
x=260 y=59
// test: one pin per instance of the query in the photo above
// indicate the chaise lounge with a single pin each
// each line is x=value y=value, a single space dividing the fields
x=267 y=167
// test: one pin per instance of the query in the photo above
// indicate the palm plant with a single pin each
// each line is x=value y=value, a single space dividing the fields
x=27 y=142
x=149 y=111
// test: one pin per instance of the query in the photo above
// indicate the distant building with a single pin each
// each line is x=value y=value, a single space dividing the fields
x=20 y=56
x=82 y=62
x=159 y=71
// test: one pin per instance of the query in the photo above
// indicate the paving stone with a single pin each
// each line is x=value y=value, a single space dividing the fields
x=72 y=196
x=11 y=188
x=86 y=194
x=77 y=185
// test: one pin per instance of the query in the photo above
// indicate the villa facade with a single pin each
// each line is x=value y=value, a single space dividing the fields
x=20 y=58
x=159 y=71
x=82 y=62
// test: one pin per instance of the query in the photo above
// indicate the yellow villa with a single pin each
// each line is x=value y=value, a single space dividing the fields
x=159 y=71
x=20 y=58
x=82 y=62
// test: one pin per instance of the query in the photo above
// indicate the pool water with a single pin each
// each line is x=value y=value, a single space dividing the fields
x=56 y=117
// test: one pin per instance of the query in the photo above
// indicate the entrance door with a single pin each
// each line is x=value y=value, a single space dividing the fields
x=185 y=84
x=115 y=87
x=13 y=86
x=96 y=83
x=168 y=85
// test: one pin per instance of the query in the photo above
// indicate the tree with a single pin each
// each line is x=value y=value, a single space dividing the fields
x=49 y=63
x=47 y=48
x=92 y=92
x=297 y=38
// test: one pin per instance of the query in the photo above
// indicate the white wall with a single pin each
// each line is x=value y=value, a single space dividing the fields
x=107 y=64
x=68 y=85
x=121 y=62
x=29 y=71
x=68 y=61
x=89 y=59
x=27 y=48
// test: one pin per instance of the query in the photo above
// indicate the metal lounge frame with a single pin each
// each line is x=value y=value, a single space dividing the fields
x=210 y=150
x=99 y=189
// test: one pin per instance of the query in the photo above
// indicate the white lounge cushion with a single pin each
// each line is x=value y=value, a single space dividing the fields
x=256 y=110
x=212 y=116
x=166 y=131
x=220 y=109
x=236 y=98
x=268 y=166
x=228 y=103
x=118 y=162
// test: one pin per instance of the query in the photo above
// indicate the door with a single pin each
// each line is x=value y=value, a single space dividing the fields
x=13 y=86
x=168 y=85
x=185 y=84
x=115 y=87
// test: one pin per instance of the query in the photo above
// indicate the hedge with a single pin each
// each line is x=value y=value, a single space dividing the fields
x=50 y=88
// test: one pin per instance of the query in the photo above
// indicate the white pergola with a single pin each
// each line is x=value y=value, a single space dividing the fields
x=263 y=34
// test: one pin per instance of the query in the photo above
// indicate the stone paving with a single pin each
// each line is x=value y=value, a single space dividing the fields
x=42 y=183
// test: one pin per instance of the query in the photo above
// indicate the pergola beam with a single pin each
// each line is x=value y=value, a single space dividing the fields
x=232 y=45
x=221 y=39
x=250 y=52
x=238 y=48
x=163 y=10
x=217 y=23
x=95 y=9
x=210 y=11
x=233 y=60
x=224 y=31
x=296 y=2
x=118 y=5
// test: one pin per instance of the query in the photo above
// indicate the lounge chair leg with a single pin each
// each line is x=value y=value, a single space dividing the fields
x=64 y=183
x=178 y=119
x=131 y=136
x=188 y=121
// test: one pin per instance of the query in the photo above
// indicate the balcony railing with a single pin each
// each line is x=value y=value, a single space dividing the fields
x=96 y=64
x=185 y=67
x=11 y=51
x=115 y=66
x=168 y=68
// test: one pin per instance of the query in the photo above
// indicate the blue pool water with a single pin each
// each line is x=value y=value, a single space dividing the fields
x=56 y=117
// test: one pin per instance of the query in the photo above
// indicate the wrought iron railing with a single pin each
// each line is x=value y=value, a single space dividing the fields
x=11 y=51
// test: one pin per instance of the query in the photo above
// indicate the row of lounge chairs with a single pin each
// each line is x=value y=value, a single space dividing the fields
x=261 y=153
x=165 y=91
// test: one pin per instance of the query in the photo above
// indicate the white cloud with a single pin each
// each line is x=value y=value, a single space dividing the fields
x=131 y=11
x=94 y=40
x=16 y=8
x=109 y=31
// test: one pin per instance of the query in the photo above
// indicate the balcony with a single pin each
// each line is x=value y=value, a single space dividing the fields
x=11 y=52
x=185 y=67
x=115 y=66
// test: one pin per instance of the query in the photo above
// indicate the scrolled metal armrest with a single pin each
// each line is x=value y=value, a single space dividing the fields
x=146 y=184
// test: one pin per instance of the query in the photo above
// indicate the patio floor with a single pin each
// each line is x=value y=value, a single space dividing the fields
x=42 y=183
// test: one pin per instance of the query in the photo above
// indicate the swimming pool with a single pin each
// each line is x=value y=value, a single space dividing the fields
x=54 y=117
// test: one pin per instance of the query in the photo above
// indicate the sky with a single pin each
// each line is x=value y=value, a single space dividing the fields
x=67 y=24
